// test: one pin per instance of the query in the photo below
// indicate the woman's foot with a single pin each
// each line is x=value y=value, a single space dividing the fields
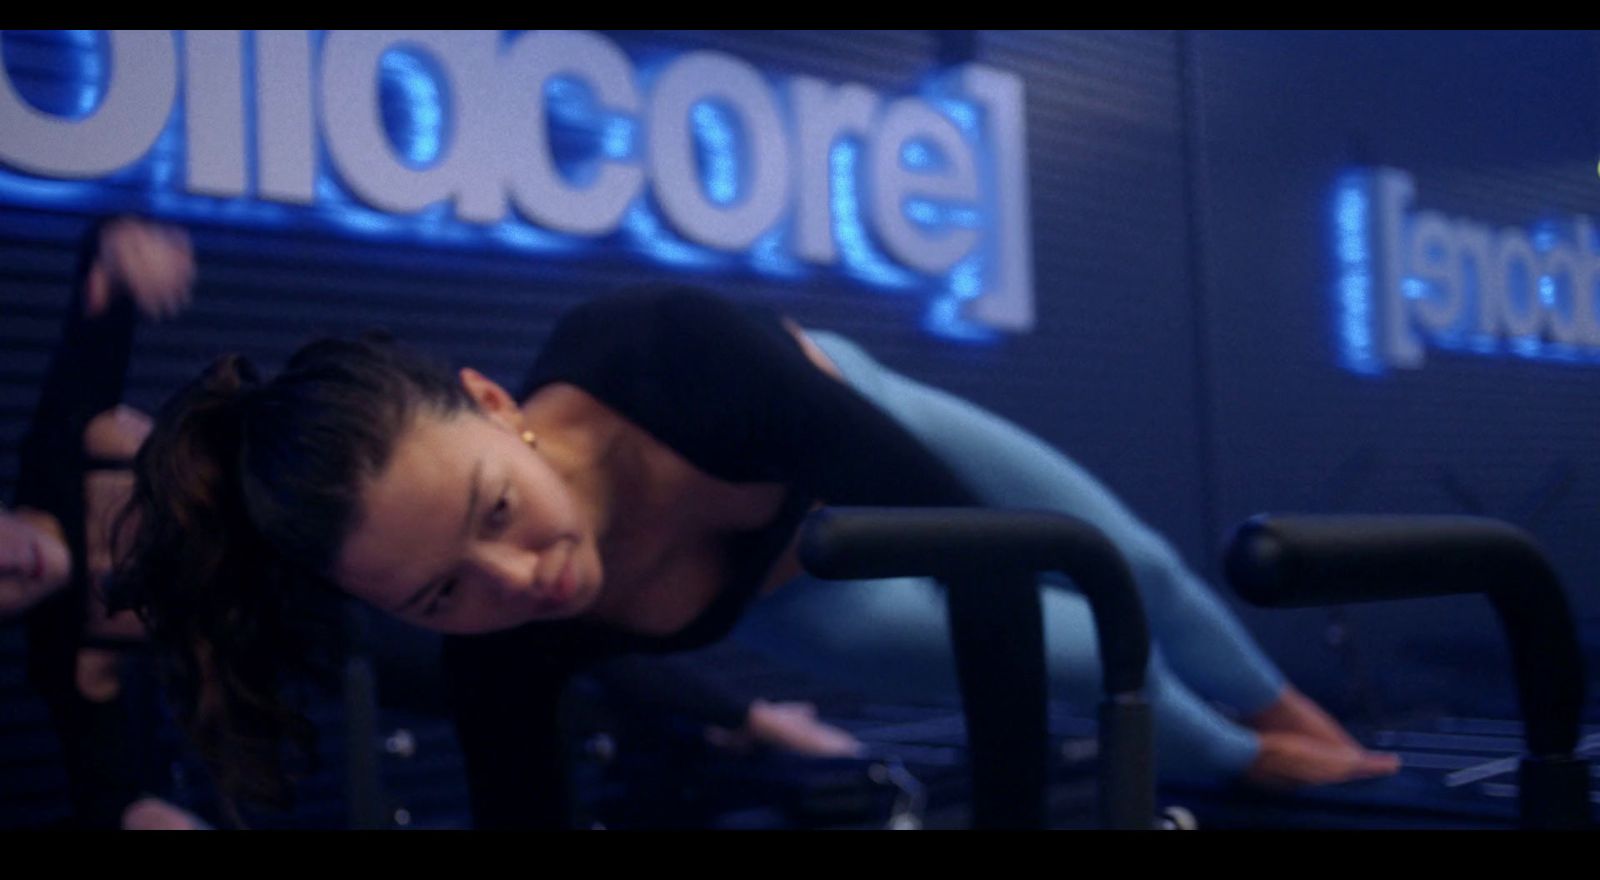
x=1290 y=760
x=1303 y=745
x=1294 y=712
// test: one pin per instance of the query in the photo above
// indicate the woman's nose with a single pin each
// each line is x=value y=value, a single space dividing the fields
x=508 y=569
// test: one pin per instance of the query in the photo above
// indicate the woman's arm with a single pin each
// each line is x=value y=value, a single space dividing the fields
x=505 y=697
x=669 y=684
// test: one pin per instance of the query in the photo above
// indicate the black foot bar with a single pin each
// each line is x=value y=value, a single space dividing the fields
x=989 y=561
x=1298 y=561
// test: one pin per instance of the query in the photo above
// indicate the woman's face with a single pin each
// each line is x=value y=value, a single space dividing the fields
x=33 y=560
x=468 y=530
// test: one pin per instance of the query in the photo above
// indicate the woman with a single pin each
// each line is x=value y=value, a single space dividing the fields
x=55 y=551
x=643 y=488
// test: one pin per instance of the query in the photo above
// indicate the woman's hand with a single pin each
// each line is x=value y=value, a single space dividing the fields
x=789 y=727
x=149 y=262
x=155 y=814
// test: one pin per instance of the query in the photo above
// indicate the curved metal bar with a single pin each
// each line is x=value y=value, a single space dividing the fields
x=1297 y=561
x=989 y=560
x=956 y=542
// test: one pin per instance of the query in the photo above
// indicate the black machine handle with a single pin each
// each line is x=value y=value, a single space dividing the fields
x=1298 y=561
x=989 y=560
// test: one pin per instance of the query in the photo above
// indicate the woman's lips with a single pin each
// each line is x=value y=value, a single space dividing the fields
x=568 y=581
x=559 y=590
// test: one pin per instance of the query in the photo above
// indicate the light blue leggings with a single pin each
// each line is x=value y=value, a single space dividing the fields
x=888 y=638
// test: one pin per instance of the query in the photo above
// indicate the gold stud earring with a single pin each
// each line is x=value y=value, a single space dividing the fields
x=531 y=439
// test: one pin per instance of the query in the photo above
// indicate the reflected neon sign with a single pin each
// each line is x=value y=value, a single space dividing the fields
x=1413 y=280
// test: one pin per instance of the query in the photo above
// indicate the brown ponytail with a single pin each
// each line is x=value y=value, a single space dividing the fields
x=243 y=495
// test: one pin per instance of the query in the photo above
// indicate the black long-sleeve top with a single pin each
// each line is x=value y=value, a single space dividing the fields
x=728 y=388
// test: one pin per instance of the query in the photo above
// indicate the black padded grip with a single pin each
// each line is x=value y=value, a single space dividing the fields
x=1296 y=561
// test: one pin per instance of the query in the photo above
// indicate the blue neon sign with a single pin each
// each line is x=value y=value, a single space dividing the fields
x=552 y=142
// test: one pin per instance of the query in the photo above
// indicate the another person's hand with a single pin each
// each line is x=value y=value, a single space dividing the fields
x=152 y=263
x=789 y=727
x=34 y=562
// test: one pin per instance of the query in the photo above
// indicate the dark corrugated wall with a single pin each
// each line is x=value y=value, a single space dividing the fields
x=1501 y=128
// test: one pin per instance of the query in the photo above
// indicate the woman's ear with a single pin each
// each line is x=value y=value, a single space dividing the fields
x=493 y=400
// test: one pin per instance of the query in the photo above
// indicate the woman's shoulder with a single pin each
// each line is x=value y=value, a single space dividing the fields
x=660 y=308
x=651 y=328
